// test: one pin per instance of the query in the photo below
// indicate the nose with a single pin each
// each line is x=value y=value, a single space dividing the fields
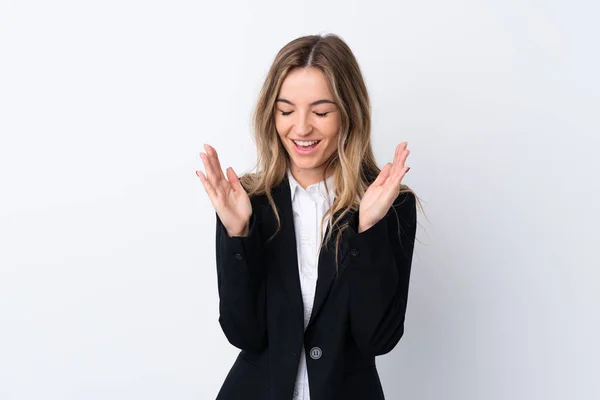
x=303 y=126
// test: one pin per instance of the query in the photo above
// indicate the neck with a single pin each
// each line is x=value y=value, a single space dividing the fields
x=308 y=176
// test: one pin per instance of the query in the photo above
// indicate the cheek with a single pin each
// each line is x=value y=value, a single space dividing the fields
x=330 y=128
x=331 y=145
x=332 y=140
x=282 y=126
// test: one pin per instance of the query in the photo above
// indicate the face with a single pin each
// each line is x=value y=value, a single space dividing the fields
x=307 y=121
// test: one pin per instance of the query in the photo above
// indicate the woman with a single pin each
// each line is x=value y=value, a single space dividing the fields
x=314 y=251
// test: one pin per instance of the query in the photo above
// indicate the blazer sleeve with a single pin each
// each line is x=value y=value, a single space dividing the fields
x=241 y=286
x=379 y=268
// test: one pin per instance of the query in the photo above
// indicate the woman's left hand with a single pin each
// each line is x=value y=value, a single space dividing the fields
x=380 y=196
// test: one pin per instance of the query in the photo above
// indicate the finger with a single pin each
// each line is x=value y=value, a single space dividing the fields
x=383 y=175
x=404 y=168
x=402 y=161
x=398 y=152
x=398 y=163
x=234 y=180
x=207 y=167
x=214 y=159
x=212 y=194
x=400 y=169
x=214 y=172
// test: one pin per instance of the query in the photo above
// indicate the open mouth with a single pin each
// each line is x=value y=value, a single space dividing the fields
x=306 y=145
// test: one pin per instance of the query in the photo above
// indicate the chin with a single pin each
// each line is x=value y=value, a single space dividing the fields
x=304 y=164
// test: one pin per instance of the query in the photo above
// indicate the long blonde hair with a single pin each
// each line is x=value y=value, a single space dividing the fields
x=353 y=163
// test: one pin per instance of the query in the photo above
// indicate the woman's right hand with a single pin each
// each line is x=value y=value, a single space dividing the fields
x=228 y=197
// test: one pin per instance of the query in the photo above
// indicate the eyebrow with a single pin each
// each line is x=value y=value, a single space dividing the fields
x=314 y=103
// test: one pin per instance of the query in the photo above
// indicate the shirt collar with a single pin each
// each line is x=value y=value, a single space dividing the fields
x=295 y=185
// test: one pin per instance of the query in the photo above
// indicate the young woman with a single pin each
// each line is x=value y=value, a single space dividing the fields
x=314 y=251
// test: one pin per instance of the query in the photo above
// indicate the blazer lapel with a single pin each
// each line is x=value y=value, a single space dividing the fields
x=287 y=255
x=327 y=268
x=287 y=259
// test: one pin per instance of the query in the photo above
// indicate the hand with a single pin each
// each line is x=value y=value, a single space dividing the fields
x=380 y=196
x=228 y=197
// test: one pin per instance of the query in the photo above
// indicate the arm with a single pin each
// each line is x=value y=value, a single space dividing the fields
x=379 y=274
x=241 y=287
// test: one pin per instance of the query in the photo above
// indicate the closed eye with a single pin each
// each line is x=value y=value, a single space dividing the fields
x=285 y=113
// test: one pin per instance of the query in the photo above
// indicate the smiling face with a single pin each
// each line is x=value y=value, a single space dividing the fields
x=308 y=122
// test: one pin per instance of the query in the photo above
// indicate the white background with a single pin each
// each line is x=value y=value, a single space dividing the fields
x=107 y=270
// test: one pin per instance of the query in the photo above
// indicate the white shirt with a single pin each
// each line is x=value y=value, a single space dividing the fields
x=309 y=206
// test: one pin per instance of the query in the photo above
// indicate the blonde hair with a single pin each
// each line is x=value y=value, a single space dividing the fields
x=353 y=163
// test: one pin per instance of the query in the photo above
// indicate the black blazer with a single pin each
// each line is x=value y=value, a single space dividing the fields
x=358 y=313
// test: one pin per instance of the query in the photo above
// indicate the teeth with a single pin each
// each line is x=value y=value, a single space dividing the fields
x=299 y=143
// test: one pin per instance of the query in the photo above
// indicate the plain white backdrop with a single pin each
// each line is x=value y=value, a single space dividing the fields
x=107 y=268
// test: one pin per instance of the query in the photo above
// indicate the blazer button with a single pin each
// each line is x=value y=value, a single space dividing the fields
x=315 y=353
x=354 y=252
x=238 y=256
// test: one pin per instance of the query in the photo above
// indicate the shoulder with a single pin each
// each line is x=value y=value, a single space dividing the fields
x=406 y=198
x=404 y=207
x=255 y=188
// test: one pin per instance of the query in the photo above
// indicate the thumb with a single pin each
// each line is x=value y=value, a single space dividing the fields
x=383 y=175
x=234 y=180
